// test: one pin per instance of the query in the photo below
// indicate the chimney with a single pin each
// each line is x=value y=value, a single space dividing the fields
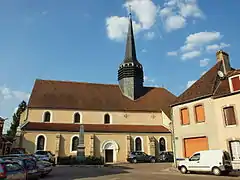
x=224 y=57
x=1 y=125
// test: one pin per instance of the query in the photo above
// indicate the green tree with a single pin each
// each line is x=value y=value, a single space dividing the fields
x=15 y=119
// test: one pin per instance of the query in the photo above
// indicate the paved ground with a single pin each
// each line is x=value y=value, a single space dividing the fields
x=126 y=172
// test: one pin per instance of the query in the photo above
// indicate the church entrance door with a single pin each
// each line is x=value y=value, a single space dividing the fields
x=109 y=155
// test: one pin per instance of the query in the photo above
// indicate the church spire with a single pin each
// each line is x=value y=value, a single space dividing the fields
x=130 y=53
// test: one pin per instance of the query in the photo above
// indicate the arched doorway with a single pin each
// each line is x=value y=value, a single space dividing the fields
x=162 y=144
x=110 y=149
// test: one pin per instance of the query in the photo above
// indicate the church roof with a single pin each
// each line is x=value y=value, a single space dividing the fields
x=38 y=126
x=49 y=94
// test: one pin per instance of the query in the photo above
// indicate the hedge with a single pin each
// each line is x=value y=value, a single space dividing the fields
x=72 y=160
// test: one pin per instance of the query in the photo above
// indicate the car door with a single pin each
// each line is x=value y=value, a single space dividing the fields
x=14 y=171
x=139 y=157
x=194 y=162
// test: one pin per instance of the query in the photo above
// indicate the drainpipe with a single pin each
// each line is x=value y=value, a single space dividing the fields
x=173 y=139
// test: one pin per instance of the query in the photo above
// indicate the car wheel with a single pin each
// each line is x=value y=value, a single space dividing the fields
x=183 y=170
x=152 y=160
x=216 y=171
x=134 y=161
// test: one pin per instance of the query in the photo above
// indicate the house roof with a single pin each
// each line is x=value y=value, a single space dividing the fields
x=38 y=126
x=1 y=119
x=209 y=85
x=49 y=94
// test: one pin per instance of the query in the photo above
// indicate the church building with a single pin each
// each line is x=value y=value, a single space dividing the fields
x=117 y=118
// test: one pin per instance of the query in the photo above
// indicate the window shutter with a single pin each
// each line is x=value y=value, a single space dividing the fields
x=236 y=83
x=200 y=116
x=185 y=116
x=229 y=116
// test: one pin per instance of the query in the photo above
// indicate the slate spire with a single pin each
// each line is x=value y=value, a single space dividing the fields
x=130 y=53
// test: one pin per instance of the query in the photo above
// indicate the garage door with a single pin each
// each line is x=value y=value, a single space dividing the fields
x=192 y=145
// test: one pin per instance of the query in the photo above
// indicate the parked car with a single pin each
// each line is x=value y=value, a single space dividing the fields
x=12 y=170
x=28 y=164
x=136 y=156
x=166 y=156
x=216 y=161
x=45 y=156
x=44 y=168
x=18 y=151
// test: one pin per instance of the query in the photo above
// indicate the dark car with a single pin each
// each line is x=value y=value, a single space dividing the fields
x=12 y=171
x=45 y=156
x=29 y=165
x=44 y=167
x=136 y=156
x=166 y=156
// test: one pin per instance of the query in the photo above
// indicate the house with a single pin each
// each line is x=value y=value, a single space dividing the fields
x=117 y=118
x=5 y=144
x=206 y=115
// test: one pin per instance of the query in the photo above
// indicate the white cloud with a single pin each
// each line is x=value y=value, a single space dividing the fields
x=199 y=39
x=149 y=35
x=146 y=13
x=117 y=27
x=172 y=53
x=174 y=22
x=204 y=62
x=190 y=83
x=9 y=100
x=175 y=13
x=143 y=50
x=190 y=55
x=215 y=47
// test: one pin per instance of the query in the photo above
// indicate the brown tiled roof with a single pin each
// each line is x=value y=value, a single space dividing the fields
x=90 y=96
x=209 y=85
x=38 y=126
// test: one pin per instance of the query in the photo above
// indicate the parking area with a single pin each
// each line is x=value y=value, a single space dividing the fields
x=126 y=172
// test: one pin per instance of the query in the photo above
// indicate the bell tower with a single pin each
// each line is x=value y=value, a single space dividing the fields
x=130 y=71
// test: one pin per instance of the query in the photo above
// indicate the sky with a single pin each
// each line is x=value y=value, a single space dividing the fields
x=176 y=42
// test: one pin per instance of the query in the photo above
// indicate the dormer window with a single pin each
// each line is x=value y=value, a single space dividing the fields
x=235 y=83
x=77 y=117
x=106 y=119
x=47 y=116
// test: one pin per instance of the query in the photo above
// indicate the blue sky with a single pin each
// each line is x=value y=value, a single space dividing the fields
x=176 y=41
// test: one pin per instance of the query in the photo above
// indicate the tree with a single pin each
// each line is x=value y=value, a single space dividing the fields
x=16 y=119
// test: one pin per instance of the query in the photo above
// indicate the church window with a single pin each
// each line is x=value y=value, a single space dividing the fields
x=162 y=144
x=47 y=117
x=75 y=142
x=106 y=119
x=138 y=144
x=41 y=142
x=77 y=118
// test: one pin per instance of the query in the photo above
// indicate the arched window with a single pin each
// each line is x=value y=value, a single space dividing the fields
x=75 y=142
x=106 y=119
x=41 y=142
x=77 y=118
x=47 y=117
x=162 y=144
x=138 y=144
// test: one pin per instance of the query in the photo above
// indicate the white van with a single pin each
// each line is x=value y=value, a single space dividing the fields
x=215 y=161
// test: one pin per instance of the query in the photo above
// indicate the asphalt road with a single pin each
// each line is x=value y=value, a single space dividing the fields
x=126 y=172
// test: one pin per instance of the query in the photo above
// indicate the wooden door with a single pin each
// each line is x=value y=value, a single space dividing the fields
x=108 y=155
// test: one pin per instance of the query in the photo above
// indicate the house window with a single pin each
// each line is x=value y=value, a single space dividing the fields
x=106 y=119
x=229 y=116
x=185 y=116
x=40 y=142
x=77 y=118
x=47 y=117
x=199 y=113
x=75 y=142
x=235 y=83
x=162 y=144
x=138 y=144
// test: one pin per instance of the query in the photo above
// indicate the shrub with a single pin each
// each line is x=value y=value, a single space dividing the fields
x=72 y=160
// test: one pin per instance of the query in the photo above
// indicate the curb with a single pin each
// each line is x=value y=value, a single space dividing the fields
x=83 y=166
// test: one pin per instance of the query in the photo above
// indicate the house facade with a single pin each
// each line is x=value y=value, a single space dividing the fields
x=206 y=115
x=117 y=119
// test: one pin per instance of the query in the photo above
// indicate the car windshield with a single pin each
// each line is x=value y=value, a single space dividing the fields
x=42 y=152
x=50 y=153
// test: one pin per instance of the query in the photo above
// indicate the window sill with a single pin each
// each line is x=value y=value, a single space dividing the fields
x=185 y=125
x=202 y=122
x=231 y=126
x=73 y=151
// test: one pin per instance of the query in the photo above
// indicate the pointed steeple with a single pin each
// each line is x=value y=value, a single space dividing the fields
x=130 y=54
